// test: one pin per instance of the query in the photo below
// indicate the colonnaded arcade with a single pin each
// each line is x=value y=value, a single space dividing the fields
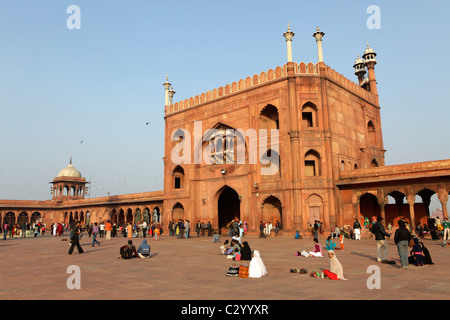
x=324 y=138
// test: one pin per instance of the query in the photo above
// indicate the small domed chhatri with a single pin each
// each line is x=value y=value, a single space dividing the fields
x=70 y=171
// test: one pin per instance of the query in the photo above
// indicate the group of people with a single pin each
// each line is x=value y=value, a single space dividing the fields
x=127 y=251
x=241 y=251
x=181 y=229
x=347 y=231
x=266 y=228
x=138 y=230
x=237 y=228
x=405 y=239
x=436 y=228
x=25 y=230
x=335 y=270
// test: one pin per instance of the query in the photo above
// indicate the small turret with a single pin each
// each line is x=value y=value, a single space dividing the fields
x=171 y=94
x=370 y=61
x=360 y=69
x=167 y=87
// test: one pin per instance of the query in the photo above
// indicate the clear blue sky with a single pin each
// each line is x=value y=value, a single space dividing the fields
x=102 y=83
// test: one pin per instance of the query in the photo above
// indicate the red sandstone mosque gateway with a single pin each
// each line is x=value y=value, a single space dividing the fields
x=328 y=149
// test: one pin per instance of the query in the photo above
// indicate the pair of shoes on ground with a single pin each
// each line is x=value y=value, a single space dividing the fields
x=301 y=271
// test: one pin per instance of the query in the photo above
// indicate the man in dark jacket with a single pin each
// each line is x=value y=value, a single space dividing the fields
x=76 y=231
x=380 y=236
x=401 y=239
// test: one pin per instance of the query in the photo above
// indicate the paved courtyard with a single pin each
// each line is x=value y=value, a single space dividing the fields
x=193 y=269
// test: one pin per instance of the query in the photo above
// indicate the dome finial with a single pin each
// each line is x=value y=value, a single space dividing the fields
x=70 y=160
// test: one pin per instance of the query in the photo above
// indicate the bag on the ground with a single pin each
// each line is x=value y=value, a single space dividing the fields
x=233 y=271
x=243 y=271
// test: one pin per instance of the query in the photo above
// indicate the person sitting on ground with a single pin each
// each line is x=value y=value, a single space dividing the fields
x=298 y=235
x=236 y=245
x=144 y=250
x=224 y=247
x=230 y=249
x=237 y=255
x=237 y=238
x=246 y=252
x=330 y=245
x=216 y=237
x=335 y=272
x=318 y=250
x=128 y=251
x=256 y=269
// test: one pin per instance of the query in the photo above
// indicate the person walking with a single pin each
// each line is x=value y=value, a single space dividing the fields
x=76 y=231
x=380 y=235
x=95 y=231
x=402 y=238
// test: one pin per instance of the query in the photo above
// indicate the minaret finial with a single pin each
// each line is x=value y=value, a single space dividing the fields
x=70 y=159
x=166 y=88
x=289 y=35
x=319 y=35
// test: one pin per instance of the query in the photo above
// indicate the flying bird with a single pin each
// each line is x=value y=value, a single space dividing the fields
x=147 y=123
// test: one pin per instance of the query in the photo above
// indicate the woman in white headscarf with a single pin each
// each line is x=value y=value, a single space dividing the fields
x=336 y=271
x=256 y=269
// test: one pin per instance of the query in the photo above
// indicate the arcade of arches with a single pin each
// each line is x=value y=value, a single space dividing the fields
x=88 y=210
x=402 y=191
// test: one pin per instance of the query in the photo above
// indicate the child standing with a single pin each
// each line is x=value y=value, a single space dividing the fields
x=341 y=237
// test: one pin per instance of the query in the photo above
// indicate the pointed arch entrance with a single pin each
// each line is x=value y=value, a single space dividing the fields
x=271 y=210
x=228 y=206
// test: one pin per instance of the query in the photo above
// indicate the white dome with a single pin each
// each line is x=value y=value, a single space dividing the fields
x=70 y=171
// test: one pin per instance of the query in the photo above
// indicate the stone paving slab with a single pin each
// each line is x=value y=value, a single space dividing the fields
x=192 y=269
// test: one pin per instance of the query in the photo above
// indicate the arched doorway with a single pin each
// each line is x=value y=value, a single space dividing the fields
x=10 y=217
x=178 y=212
x=229 y=206
x=121 y=217
x=156 y=215
x=271 y=210
x=138 y=215
x=369 y=206
x=114 y=217
x=23 y=218
x=315 y=208
x=129 y=216
x=146 y=215
x=35 y=217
